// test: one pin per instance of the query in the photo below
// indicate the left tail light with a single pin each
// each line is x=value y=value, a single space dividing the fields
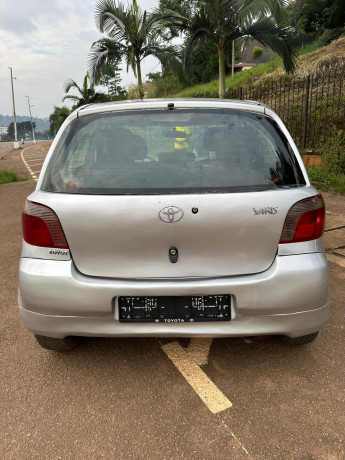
x=305 y=221
x=41 y=226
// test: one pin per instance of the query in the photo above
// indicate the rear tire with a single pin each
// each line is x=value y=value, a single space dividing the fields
x=61 y=345
x=302 y=340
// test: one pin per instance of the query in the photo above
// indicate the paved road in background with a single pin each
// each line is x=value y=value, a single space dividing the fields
x=33 y=155
x=124 y=398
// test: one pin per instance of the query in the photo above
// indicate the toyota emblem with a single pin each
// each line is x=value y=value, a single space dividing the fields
x=170 y=214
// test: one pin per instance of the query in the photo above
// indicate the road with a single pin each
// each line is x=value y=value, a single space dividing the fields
x=125 y=399
x=32 y=154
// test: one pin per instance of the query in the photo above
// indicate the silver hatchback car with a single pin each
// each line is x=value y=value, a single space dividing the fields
x=173 y=218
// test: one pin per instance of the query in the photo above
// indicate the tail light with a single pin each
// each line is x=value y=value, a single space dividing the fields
x=41 y=226
x=305 y=221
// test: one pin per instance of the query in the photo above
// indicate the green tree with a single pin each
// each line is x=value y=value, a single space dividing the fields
x=162 y=85
x=316 y=17
x=23 y=130
x=88 y=95
x=110 y=78
x=133 y=34
x=183 y=7
x=203 y=64
x=309 y=16
x=224 y=21
x=257 y=53
x=57 y=118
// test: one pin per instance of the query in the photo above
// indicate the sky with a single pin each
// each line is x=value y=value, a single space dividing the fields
x=46 y=42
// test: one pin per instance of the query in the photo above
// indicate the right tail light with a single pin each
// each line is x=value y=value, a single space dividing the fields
x=305 y=221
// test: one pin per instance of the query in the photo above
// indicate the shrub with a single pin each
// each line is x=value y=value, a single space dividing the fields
x=162 y=85
x=327 y=181
x=9 y=176
x=333 y=151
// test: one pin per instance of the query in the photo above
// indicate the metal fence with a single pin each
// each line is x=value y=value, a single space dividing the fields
x=309 y=106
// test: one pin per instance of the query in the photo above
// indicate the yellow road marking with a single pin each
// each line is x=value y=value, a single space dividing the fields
x=199 y=349
x=207 y=391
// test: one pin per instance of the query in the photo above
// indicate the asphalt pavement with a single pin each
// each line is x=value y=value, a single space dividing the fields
x=124 y=398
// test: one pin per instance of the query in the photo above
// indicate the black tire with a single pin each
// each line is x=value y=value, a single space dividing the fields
x=302 y=340
x=61 y=345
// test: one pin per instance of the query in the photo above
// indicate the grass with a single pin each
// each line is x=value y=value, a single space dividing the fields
x=240 y=78
x=9 y=176
x=309 y=47
x=327 y=181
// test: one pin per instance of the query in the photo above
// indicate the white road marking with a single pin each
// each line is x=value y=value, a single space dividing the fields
x=35 y=158
x=207 y=391
x=199 y=349
x=236 y=439
x=28 y=167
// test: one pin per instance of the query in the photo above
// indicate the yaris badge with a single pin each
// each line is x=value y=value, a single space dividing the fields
x=170 y=214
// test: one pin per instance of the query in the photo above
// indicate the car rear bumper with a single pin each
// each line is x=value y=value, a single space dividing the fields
x=291 y=298
x=292 y=325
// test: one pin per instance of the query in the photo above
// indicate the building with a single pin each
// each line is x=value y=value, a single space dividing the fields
x=3 y=131
x=247 y=60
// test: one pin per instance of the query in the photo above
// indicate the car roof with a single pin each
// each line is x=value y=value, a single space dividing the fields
x=170 y=104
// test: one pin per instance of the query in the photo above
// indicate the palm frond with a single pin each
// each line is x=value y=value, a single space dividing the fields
x=73 y=98
x=111 y=18
x=70 y=84
x=167 y=20
x=170 y=58
x=255 y=9
x=104 y=51
x=279 y=39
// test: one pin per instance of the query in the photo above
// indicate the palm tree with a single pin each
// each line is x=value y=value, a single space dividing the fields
x=57 y=118
x=223 y=21
x=133 y=34
x=88 y=95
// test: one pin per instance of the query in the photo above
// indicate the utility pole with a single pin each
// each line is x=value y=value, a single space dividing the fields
x=16 y=143
x=232 y=59
x=32 y=126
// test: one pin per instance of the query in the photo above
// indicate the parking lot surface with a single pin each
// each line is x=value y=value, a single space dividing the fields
x=127 y=399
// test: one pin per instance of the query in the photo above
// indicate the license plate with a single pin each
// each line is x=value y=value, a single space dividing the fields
x=177 y=309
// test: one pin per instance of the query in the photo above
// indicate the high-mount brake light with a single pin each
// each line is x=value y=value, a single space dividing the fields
x=305 y=221
x=41 y=226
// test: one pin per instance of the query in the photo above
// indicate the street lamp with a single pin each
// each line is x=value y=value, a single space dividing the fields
x=16 y=143
x=32 y=126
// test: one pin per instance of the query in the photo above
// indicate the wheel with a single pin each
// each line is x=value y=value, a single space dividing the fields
x=302 y=340
x=51 y=343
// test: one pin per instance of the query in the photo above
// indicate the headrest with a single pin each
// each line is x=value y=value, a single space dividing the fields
x=119 y=145
x=216 y=136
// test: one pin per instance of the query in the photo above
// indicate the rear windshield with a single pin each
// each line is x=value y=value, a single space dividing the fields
x=171 y=151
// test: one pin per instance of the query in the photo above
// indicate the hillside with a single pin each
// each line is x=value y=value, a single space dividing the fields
x=42 y=124
x=320 y=60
